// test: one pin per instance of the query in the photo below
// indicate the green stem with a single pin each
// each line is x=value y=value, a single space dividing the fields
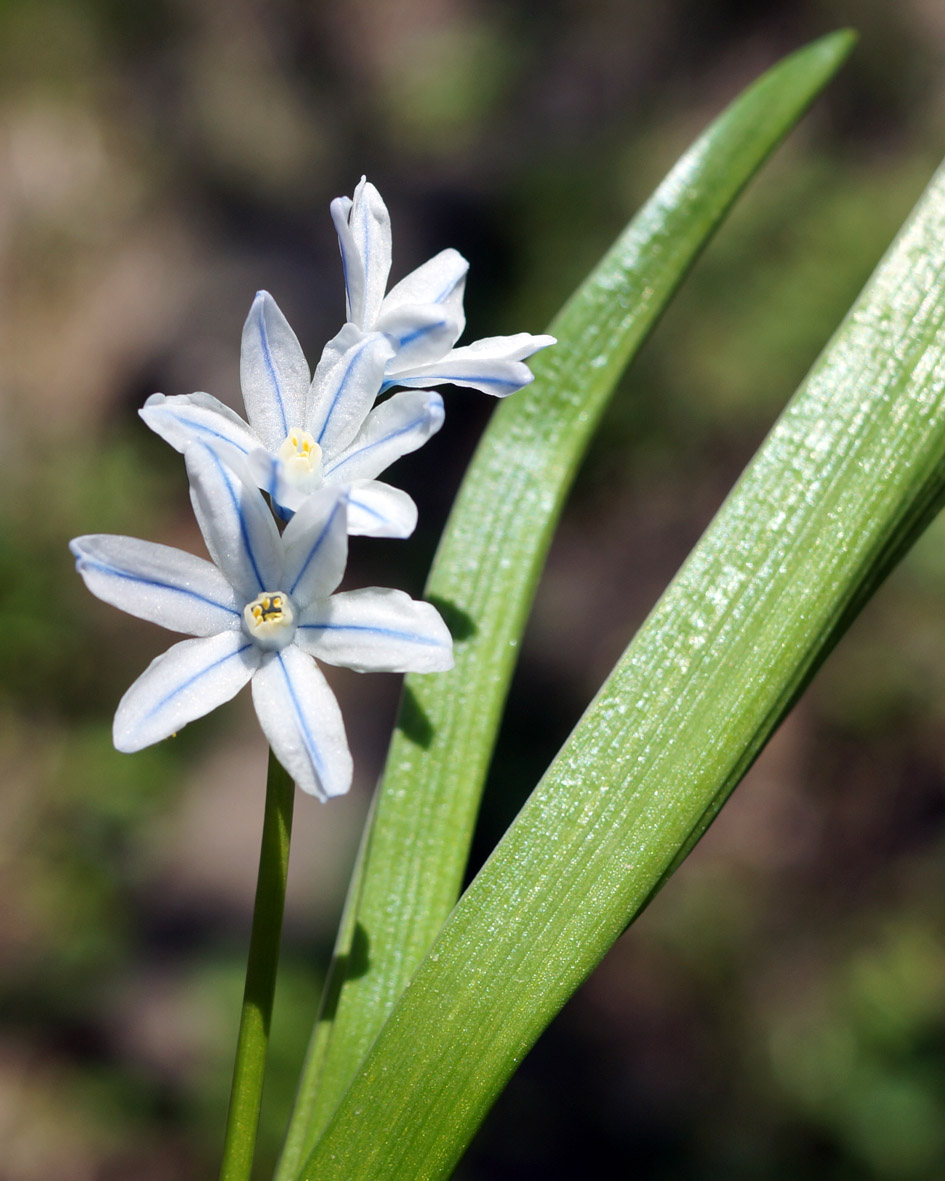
x=349 y=957
x=248 y=1070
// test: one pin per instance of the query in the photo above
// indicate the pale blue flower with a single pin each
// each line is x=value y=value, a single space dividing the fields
x=306 y=431
x=261 y=610
x=422 y=316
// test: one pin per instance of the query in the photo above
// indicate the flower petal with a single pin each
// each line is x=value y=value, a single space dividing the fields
x=440 y=280
x=268 y=472
x=494 y=365
x=419 y=333
x=379 y=510
x=363 y=228
x=235 y=522
x=167 y=586
x=350 y=261
x=274 y=374
x=263 y=469
x=395 y=428
x=376 y=630
x=316 y=546
x=185 y=418
x=345 y=386
x=188 y=681
x=300 y=716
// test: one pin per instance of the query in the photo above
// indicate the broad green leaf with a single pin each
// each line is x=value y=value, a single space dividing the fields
x=487 y=567
x=850 y=474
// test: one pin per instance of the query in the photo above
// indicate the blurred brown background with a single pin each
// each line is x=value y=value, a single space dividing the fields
x=780 y=1009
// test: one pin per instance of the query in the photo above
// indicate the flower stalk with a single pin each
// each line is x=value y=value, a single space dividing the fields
x=242 y=1118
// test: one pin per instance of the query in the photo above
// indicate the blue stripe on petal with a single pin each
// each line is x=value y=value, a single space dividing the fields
x=365 y=250
x=365 y=508
x=339 y=392
x=310 y=748
x=270 y=366
x=205 y=430
x=448 y=291
x=388 y=632
x=331 y=468
x=313 y=552
x=479 y=382
x=90 y=564
x=410 y=337
x=238 y=509
x=193 y=680
x=344 y=271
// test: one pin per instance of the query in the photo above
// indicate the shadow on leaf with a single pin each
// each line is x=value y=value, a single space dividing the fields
x=461 y=625
x=413 y=721
x=350 y=966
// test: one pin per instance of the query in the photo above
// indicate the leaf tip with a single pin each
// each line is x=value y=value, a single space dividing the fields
x=837 y=45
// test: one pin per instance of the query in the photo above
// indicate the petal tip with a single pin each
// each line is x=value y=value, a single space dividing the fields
x=332 y=791
x=339 y=209
x=452 y=253
x=123 y=736
x=262 y=300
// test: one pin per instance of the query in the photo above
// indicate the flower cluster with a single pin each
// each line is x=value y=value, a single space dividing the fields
x=315 y=445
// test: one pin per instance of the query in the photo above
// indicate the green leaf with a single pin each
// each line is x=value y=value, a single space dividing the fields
x=487 y=567
x=849 y=476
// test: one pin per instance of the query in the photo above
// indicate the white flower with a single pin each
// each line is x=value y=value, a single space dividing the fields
x=303 y=431
x=422 y=316
x=306 y=431
x=262 y=609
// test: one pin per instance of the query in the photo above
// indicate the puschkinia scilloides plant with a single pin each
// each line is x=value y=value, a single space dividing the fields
x=314 y=445
x=419 y=1032
x=267 y=607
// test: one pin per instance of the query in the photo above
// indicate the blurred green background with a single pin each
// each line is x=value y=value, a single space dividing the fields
x=779 y=1011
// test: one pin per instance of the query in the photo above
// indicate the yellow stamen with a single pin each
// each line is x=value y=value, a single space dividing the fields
x=269 y=619
x=268 y=608
x=300 y=447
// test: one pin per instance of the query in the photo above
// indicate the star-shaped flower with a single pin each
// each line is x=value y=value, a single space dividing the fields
x=260 y=610
x=422 y=316
x=306 y=431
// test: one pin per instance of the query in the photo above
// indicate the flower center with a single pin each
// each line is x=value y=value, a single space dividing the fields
x=302 y=459
x=269 y=620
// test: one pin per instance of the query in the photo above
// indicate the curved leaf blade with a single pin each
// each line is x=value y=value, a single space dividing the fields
x=850 y=474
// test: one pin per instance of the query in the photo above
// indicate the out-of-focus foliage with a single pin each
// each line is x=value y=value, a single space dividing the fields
x=778 y=1010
